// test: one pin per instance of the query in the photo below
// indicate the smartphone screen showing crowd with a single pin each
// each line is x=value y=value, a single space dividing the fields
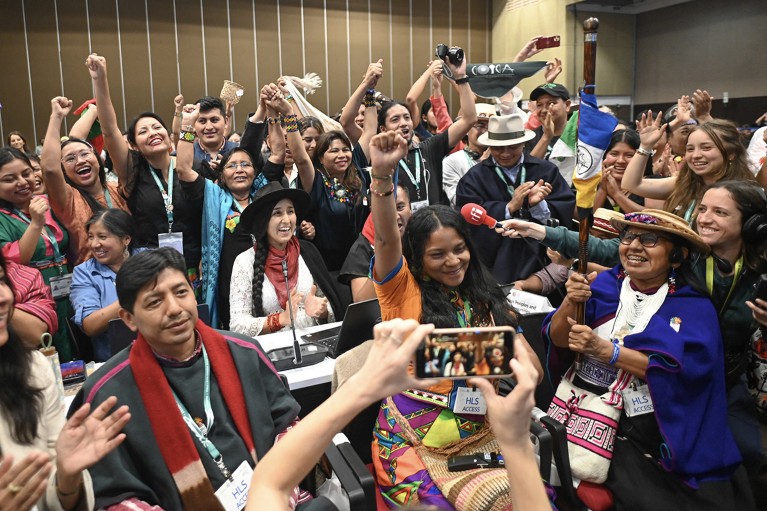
x=464 y=352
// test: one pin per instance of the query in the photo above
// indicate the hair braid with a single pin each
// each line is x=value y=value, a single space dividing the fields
x=262 y=249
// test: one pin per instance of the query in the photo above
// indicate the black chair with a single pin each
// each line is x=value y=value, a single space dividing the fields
x=83 y=344
x=120 y=336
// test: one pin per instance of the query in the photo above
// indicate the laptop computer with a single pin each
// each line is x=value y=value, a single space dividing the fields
x=357 y=327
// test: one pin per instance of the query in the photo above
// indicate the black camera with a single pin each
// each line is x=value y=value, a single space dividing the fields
x=455 y=54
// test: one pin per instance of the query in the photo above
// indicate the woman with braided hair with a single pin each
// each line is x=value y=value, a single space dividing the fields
x=258 y=293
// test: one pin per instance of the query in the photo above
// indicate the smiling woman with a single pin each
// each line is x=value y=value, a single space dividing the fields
x=30 y=235
x=75 y=180
x=262 y=275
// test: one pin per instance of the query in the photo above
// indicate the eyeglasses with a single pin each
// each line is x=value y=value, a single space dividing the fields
x=647 y=239
x=244 y=165
x=480 y=126
x=72 y=158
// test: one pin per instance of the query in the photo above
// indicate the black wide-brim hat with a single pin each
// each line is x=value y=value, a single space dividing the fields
x=255 y=218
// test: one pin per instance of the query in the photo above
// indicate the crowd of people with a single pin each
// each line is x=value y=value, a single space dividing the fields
x=142 y=225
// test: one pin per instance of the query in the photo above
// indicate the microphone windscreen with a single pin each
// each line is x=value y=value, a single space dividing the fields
x=477 y=215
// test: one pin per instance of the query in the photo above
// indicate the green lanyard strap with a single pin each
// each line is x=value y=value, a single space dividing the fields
x=167 y=197
x=463 y=309
x=416 y=180
x=108 y=198
x=199 y=430
x=710 y=279
x=504 y=178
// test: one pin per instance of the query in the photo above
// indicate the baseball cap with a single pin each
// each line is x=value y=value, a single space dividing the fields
x=552 y=89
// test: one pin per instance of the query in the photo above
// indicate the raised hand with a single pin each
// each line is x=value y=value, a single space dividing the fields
x=683 y=110
x=61 y=106
x=89 y=436
x=278 y=101
x=178 y=102
x=650 y=131
x=509 y=415
x=458 y=71
x=553 y=68
x=189 y=114
x=307 y=230
x=528 y=50
x=315 y=306
x=373 y=74
x=386 y=150
x=97 y=66
x=37 y=209
x=24 y=482
x=547 y=121
x=701 y=100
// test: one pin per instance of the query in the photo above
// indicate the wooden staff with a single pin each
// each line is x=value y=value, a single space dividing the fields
x=586 y=215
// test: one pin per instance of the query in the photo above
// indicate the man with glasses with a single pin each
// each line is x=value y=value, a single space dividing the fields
x=457 y=164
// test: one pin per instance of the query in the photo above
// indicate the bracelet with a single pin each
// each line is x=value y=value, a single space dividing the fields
x=383 y=178
x=69 y=494
x=187 y=127
x=463 y=80
x=272 y=120
x=188 y=136
x=290 y=123
x=645 y=152
x=273 y=322
x=178 y=115
x=616 y=352
x=370 y=98
x=289 y=97
x=382 y=194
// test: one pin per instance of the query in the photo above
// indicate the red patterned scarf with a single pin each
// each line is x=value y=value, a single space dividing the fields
x=273 y=269
x=173 y=436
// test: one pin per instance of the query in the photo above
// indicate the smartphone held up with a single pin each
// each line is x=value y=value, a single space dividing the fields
x=466 y=352
x=547 y=42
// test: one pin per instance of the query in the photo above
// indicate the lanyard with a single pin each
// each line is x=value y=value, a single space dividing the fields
x=108 y=198
x=463 y=309
x=201 y=430
x=471 y=160
x=47 y=234
x=237 y=205
x=167 y=197
x=415 y=180
x=504 y=178
x=710 y=279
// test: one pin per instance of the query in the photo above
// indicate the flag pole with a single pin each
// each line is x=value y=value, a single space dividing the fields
x=586 y=215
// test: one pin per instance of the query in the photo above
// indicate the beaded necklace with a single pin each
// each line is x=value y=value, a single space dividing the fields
x=338 y=191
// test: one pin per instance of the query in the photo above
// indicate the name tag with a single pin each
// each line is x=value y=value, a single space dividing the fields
x=637 y=401
x=173 y=240
x=415 y=206
x=470 y=401
x=60 y=285
x=233 y=494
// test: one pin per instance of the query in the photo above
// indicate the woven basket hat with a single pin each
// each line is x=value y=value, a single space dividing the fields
x=659 y=220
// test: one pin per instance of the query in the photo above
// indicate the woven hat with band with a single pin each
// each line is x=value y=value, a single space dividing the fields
x=504 y=130
x=663 y=221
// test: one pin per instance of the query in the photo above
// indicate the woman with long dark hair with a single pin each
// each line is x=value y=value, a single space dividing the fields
x=17 y=141
x=432 y=274
x=94 y=296
x=75 y=179
x=30 y=235
x=32 y=419
x=166 y=213
x=259 y=293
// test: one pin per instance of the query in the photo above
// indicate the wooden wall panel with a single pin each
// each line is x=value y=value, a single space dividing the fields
x=154 y=48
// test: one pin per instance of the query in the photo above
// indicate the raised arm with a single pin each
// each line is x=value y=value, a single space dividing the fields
x=349 y=112
x=386 y=150
x=701 y=99
x=185 y=147
x=528 y=50
x=384 y=373
x=178 y=103
x=649 y=133
x=113 y=137
x=461 y=127
x=413 y=95
x=83 y=125
x=295 y=143
x=50 y=159
x=27 y=244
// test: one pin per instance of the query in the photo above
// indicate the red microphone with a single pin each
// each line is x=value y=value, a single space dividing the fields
x=477 y=215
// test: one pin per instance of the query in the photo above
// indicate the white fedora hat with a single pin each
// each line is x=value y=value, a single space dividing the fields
x=503 y=130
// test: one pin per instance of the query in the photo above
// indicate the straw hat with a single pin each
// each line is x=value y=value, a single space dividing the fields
x=658 y=220
x=505 y=130
x=602 y=219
